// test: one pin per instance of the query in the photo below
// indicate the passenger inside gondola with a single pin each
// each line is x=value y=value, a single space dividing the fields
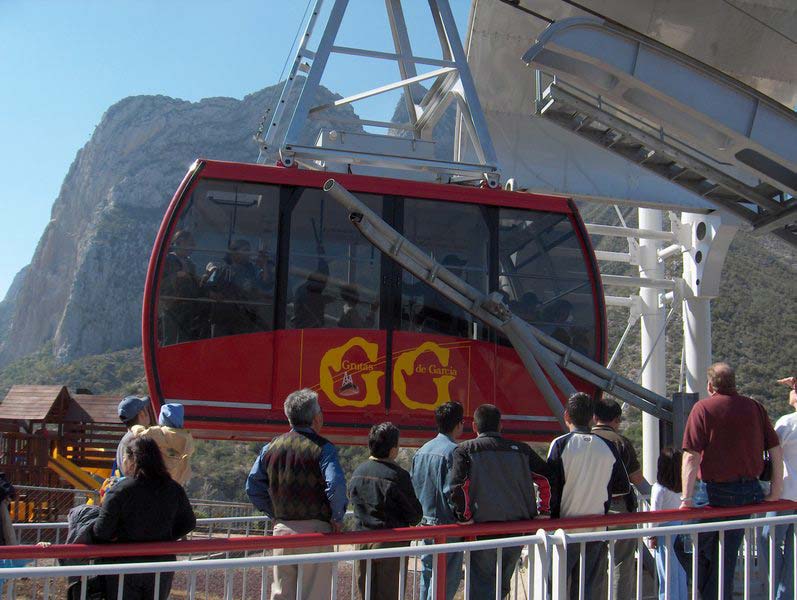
x=436 y=314
x=527 y=308
x=310 y=301
x=354 y=314
x=558 y=318
x=179 y=289
x=241 y=290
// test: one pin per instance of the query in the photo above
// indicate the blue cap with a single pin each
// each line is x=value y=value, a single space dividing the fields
x=131 y=406
x=172 y=415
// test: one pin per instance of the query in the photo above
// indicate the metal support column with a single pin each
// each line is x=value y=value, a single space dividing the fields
x=697 y=343
x=707 y=241
x=653 y=320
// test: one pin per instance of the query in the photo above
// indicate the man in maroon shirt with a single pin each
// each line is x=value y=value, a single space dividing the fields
x=725 y=438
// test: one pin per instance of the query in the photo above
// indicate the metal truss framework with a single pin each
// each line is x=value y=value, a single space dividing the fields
x=403 y=145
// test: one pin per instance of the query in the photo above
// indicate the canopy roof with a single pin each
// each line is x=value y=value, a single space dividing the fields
x=747 y=43
x=54 y=404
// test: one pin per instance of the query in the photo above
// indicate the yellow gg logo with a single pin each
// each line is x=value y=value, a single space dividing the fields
x=332 y=363
x=406 y=365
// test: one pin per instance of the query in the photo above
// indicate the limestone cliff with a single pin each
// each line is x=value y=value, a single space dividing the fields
x=84 y=286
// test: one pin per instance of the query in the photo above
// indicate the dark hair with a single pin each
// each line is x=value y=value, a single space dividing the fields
x=607 y=410
x=580 y=409
x=183 y=235
x=130 y=423
x=668 y=469
x=448 y=416
x=148 y=459
x=382 y=439
x=722 y=378
x=487 y=418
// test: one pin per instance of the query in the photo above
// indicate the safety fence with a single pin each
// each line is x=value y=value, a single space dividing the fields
x=38 y=504
x=241 y=567
x=221 y=508
x=206 y=528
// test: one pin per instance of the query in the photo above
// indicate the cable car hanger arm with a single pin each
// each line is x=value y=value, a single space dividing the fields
x=541 y=354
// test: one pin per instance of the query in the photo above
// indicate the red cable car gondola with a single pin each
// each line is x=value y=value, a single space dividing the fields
x=258 y=285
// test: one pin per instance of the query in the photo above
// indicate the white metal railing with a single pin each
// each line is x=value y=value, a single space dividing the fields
x=542 y=572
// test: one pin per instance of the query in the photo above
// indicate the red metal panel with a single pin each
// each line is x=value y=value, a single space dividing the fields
x=345 y=366
x=234 y=368
x=515 y=391
x=380 y=185
x=429 y=370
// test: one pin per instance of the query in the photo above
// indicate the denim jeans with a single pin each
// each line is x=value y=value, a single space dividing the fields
x=784 y=557
x=482 y=571
x=453 y=572
x=676 y=585
x=738 y=493
x=594 y=561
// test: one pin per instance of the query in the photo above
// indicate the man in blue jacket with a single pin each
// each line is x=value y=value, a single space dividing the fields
x=297 y=480
x=430 y=468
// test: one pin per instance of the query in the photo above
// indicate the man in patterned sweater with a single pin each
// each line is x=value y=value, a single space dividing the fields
x=297 y=480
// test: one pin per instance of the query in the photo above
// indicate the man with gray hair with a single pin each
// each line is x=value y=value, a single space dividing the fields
x=297 y=480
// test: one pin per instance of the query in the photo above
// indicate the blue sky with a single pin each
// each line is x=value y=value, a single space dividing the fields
x=64 y=62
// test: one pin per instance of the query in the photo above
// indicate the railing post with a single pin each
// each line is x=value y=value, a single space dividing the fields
x=541 y=564
x=440 y=582
x=559 y=566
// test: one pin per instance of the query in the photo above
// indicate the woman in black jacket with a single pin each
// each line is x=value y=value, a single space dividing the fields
x=146 y=506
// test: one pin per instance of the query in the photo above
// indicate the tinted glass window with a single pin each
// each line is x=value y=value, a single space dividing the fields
x=457 y=236
x=217 y=278
x=333 y=271
x=543 y=276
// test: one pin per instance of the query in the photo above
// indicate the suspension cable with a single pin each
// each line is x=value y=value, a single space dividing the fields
x=655 y=343
x=528 y=11
x=291 y=51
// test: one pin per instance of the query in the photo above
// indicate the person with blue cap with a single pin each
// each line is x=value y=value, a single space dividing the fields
x=133 y=410
x=176 y=444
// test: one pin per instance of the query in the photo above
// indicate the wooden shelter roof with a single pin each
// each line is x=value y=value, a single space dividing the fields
x=54 y=404
x=34 y=402
x=95 y=409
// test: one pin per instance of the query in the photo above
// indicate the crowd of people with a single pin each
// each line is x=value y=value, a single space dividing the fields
x=729 y=445
x=297 y=480
x=142 y=501
x=231 y=296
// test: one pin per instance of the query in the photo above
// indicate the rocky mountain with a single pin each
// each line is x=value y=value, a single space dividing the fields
x=82 y=291
x=9 y=303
